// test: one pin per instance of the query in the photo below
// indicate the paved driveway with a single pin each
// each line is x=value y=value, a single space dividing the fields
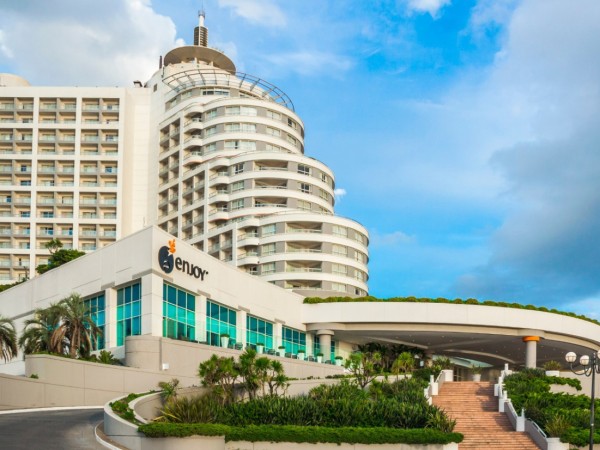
x=50 y=430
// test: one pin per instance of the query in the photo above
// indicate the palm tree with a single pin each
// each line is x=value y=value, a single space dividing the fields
x=40 y=334
x=76 y=326
x=8 y=339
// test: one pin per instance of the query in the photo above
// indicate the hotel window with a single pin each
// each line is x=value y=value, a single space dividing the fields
x=359 y=256
x=324 y=177
x=291 y=123
x=339 y=269
x=305 y=187
x=47 y=231
x=237 y=186
x=273 y=132
x=268 y=230
x=340 y=231
x=268 y=268
x=238 y=168
x=96 y=310
x=323 y=194
x=242 y=145
x=240 y=111
x=268 y=249
x=360 y=275
x=129 y=312
x=259 y=331
x=245 y=127
x=211 y=91
x=304 y=205
x=210 y=148
x=360 y=237
x=273 y=115
x=293 y=340
x=179 y=313
x=317 y=347
x=220 y=320
x=237 y=204
x=210 y=114
x=273 y=148
x=304 y=170
x=210 y=131
x=339 y=250
x=292 y=140
x=338 y=287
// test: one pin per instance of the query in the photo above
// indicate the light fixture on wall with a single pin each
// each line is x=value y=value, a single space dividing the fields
x=165 y=366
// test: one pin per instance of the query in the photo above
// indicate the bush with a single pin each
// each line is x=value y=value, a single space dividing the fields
x=314 y=435
x=197 y=409
x=560 y=415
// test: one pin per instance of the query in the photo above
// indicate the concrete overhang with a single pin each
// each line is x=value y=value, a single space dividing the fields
x=487 y=333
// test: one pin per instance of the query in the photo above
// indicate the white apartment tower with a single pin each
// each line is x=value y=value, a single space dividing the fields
x=211 y=155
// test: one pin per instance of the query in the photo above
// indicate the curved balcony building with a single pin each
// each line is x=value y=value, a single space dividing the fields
x=233 y=179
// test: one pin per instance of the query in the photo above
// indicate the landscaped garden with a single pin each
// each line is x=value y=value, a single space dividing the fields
x=246 y=401
x=559 y=414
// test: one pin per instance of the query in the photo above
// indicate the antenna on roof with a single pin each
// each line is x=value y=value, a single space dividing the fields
x=201 y=32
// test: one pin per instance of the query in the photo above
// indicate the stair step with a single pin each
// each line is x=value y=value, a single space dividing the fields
x=475 y=409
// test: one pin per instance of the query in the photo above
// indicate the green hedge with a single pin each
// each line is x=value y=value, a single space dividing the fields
x=530 y=389
x=314 y=435
x=458 y=301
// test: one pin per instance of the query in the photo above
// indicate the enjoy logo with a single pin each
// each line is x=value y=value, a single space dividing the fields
x=168 y=261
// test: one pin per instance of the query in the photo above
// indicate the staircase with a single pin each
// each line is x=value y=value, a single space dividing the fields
x=475 y=409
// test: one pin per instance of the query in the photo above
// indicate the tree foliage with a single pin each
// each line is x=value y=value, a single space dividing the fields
x=364 y=367
x=64 y=328
x=8 y=339
x=254 y=374
x=58 y=256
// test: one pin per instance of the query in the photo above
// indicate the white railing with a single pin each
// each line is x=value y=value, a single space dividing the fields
x=519 y=422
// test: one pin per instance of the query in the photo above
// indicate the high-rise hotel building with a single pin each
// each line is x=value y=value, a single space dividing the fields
x=211 y=155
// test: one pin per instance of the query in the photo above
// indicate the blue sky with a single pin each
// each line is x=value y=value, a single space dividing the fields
x=465 y=134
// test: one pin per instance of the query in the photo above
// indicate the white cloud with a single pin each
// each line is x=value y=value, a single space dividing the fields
x=339 y=193
x=432 y=7
x=587 y=306
x=390 y=239
x=488 y=14
x=544 y=90
x=3 y=47
x=86 y=43
x=260 y=12
x=310 y=63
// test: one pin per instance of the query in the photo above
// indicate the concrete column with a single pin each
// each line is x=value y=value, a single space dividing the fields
x=110 y=321
x=240 y=326
x=278 y=331
x=152 y=304
x=325 y=343
x=201 y=318
x=309 y=344
x=531 y=351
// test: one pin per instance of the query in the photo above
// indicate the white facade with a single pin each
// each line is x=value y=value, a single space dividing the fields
x=212 y=156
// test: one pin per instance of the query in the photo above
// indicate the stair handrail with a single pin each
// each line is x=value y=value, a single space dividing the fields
x=520 y=422
x=431 y=390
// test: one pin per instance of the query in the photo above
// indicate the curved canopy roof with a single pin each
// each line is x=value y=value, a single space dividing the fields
x=191 y=53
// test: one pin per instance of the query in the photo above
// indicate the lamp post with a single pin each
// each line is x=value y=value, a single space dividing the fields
x=590 y=366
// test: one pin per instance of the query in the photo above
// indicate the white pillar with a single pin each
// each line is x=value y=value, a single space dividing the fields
x=201 y=318
x=110 y=318
x=325 y=343
x=240 y=326
x=531 y=351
